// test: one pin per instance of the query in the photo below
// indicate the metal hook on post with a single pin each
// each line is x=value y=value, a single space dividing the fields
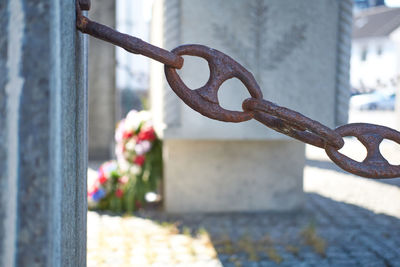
x=129 y=43
x=84 y=4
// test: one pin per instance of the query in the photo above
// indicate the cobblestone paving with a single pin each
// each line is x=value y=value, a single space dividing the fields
x=135 y=241
x=325 y=233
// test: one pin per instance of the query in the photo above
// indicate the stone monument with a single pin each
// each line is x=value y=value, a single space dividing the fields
x=43 y=135
x=102 y=86
x=397 y=108
x=298 y=52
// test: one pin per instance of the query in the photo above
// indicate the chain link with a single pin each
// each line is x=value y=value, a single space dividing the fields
x=293 y=123
x=205 y=99
x=370 y=135
x=222 y=67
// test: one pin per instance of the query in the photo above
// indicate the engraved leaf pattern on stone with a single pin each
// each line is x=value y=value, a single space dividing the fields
x=284 y=47
x=237 y=47
x=258 y=28
x=255 y=54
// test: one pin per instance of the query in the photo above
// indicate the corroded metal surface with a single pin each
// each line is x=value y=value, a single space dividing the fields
x=370 y=135
x=205 y=99
x=222 y=67
x=293 y=123
x=84 y=4
x=129 y=43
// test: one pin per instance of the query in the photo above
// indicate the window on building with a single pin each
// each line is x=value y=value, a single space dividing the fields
x=364 y=54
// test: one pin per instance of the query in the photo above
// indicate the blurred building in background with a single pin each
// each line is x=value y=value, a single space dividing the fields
x=364 y=4
x=375 y=61
x=132 y=73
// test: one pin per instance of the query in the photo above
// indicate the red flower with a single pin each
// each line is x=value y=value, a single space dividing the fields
x=102 y=178
x=119 y=193
x=147 y=134
x=95 y=189
x=139 y=160
x=127 y=135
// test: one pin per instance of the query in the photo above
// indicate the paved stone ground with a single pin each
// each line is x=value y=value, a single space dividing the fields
x=347 y=221
x=325 y=233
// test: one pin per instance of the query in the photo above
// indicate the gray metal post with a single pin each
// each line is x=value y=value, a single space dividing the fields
x=43 y=135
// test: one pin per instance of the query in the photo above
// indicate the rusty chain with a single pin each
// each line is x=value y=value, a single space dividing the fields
x=286 y=121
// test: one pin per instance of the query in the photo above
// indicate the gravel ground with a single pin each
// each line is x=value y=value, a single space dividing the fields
x=347 y=221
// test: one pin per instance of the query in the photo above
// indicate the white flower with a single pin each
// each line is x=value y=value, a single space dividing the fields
x=120 y=131
x=130 y=145
x=123 y=165
x=144 y=116
x=143 y=147
x=151 y=196
x=132 y=121
x=119 y=151
x=135 y=169
x=132 y=125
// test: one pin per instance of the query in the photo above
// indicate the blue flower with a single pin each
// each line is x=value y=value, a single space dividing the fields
x=99 y=194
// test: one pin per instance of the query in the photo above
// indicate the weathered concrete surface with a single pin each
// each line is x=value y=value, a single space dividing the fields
x=3 y=107
x=102 y=87
x=397 y=107
x=210 y=176
x=43 y=126
x=293 y=49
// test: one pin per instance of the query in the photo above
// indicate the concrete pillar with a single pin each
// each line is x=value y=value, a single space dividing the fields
x=298 y=52
x=102 y=87
x=43 y=140
x=397 y=107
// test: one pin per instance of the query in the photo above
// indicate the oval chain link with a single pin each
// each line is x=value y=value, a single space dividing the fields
x=370 y=135
x=205 y=99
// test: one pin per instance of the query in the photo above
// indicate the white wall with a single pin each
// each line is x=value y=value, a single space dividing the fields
x=384 y=67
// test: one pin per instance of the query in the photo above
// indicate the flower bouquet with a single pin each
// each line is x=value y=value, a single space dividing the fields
x=122 y=184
